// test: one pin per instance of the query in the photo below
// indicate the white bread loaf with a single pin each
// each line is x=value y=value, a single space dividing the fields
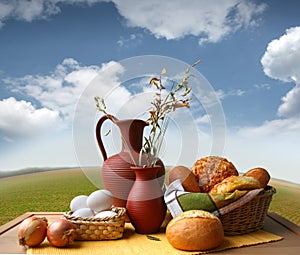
x=195 y=230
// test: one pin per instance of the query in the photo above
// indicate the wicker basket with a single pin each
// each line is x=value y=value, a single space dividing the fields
x=249 y=217
x=108 y=228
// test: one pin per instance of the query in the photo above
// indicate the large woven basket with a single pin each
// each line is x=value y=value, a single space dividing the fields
x=249 y=217
x=108 y=228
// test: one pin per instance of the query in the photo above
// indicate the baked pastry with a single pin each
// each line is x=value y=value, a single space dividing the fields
x=232 y=183
x=260 y=174
x=188 y=179
x=211 y=170
x=195 y=230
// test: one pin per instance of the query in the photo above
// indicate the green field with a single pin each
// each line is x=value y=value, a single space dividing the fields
x=53 y=191
x=45 y=191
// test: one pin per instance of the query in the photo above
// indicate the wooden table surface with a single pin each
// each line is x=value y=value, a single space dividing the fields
x=274 y=224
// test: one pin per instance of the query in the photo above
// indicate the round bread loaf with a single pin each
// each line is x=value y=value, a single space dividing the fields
x=188 y=179
x=212 y=170
x=260 y=174
x=195 y=230
x=232 y=183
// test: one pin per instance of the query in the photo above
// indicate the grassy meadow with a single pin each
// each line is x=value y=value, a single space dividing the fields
x=53 y=190
x=44 y=191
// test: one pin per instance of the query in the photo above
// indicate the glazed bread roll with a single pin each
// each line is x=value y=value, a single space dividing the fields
x=195 y=230
x=188 y=179
x=232 y=183
x=212 y=170
x=260 y=174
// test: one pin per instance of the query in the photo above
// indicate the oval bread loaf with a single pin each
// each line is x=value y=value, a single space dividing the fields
x=260 y=174
x=195 y=230
x=188 y=179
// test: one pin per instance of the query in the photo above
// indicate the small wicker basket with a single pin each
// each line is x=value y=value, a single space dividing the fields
x=249 y=217
x=108 y=228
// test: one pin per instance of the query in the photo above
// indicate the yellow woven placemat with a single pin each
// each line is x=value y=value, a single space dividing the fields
x=133 y=243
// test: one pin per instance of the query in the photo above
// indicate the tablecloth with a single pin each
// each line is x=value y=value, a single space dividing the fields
x=133 y=243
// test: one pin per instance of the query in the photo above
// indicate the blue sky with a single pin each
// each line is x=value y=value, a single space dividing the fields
x=50 y=51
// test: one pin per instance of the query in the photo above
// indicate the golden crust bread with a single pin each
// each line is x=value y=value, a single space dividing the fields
x=232 y=183
x=192 y=214
x=212 y=170
x=187 y=177
x=260 y=174
x=195 y=230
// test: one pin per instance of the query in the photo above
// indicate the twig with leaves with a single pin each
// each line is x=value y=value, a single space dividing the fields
x=177 y=97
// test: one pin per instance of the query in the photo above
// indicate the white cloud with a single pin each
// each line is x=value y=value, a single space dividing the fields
x=291 y=103
x=132 y=39
x=58 y=94
x=282 y=61
x=35 y=9
x=282 y=58
x=276 y=127
x=266 y=86
x=209 y=20
x=27 y=10
x=60 y=89
x=204 y=119
x=235 y=92
x=5 y=10
x=22 y=119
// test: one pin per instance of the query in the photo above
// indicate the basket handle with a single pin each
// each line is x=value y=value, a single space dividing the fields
x=243 y=200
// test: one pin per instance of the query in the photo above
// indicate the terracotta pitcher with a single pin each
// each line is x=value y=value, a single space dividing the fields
x=117 y=176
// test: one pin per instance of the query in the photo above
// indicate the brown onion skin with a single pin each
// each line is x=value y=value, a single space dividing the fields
x=61 y=233
x=32 y=231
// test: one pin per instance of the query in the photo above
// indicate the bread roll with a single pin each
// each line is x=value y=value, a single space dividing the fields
x=232 y=183
x=260 y=174
x=195 y=230
x=211 y=170
x=188 y=179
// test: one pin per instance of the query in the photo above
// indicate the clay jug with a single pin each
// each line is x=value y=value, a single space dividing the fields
x=145 y=205
x=117 y=176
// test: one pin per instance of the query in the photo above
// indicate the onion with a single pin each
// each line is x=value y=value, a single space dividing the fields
x=32 y=231
x=61 y=233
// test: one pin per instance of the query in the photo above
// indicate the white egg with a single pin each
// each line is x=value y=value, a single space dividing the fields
x=100 y=200
x=78 y=203
x=84 y=213
x=104 y=214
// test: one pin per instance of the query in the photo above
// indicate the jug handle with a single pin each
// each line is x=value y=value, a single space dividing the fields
x=98 y=132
